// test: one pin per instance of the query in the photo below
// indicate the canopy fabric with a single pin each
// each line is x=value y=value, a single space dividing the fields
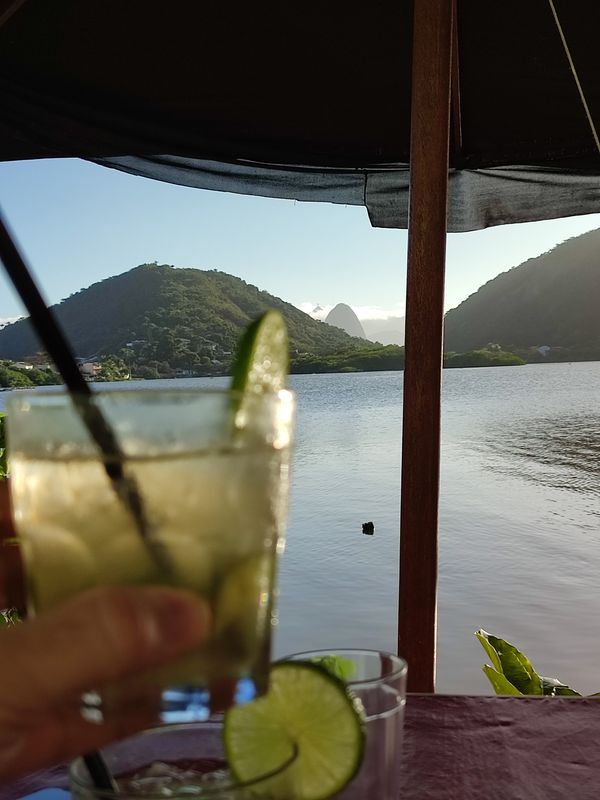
x=476 y=198
x=310 y=102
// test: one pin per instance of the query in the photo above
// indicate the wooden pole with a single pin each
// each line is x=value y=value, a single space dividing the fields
x=430 y=117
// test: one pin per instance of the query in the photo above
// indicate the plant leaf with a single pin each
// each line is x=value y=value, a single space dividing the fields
x=516 y=666
x=9 y=616
x=500 y=683
x=556 y=688
x=566 y=691
x=482 y=636
x=513 y=669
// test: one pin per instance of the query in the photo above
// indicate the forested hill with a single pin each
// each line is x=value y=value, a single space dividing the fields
x=186 y=318
x=552 y=301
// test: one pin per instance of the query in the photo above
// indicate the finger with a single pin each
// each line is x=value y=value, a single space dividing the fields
x=222 y=694
x=11 y=572
x=94 y=639
x=63 y=735
x=5 y=516
x=137 y=691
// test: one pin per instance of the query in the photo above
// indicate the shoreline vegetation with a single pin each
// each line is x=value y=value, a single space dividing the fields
x=158 y=321
x=25 y=374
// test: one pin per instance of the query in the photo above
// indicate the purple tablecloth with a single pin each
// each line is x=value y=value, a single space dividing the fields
x=468 y=748
x=502 y=748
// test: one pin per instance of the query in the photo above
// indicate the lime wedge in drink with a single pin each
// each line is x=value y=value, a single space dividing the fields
x=309 y=712
x=262 y=360
x=243 y=590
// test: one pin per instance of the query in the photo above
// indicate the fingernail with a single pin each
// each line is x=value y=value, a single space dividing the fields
x=177 y=618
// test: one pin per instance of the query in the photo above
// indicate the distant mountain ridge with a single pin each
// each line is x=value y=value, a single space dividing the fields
x=551 y=301
x=183 y=317
x=386 y=331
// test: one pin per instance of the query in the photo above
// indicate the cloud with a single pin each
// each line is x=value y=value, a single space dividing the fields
x=320 y=311
x=7 y=320
x=379 y=312
x=315 y=310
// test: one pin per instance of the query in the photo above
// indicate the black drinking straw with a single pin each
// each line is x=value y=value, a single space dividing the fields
x=59 y=350
x=99 y=773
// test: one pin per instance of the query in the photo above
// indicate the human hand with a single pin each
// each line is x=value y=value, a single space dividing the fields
x=11 y=573
x=102 y=637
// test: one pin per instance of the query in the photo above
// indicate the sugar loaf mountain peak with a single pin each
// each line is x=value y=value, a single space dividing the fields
x=342 y=316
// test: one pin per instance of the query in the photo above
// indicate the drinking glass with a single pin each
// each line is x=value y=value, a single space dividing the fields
x=211 y=471
x=379 y=680
x=177 y=761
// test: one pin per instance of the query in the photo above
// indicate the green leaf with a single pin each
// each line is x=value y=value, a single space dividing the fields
x=515 y=666
x=493 y=655
x=500 y=683
x=565 y=691
x=9 y=616
x=556 y=688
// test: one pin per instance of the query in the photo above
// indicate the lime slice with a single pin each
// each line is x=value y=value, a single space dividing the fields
x=262 y=360
x=307 y=711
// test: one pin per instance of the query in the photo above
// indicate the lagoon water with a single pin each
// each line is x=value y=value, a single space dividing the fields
x=519 y=518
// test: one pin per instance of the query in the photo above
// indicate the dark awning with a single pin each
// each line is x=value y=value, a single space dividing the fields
x=310 y=102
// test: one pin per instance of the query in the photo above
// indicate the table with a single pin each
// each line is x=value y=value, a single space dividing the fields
x=469 y=748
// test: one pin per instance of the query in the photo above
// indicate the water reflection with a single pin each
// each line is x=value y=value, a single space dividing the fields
x=559 y=451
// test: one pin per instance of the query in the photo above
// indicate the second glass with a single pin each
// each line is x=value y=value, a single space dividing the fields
x=379 y=680
x=211 y=471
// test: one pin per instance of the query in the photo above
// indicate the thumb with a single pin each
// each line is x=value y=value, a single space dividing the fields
x=93 y=639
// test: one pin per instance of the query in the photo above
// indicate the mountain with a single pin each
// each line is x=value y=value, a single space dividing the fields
x=550 y=302
x=386 y=331
x=342 y=316
x=167 y=318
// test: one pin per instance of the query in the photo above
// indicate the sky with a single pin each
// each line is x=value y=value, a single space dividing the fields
x=79 y=223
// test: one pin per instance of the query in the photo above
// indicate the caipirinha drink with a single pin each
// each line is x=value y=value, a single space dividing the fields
x=211 y=469
x=199 y=504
